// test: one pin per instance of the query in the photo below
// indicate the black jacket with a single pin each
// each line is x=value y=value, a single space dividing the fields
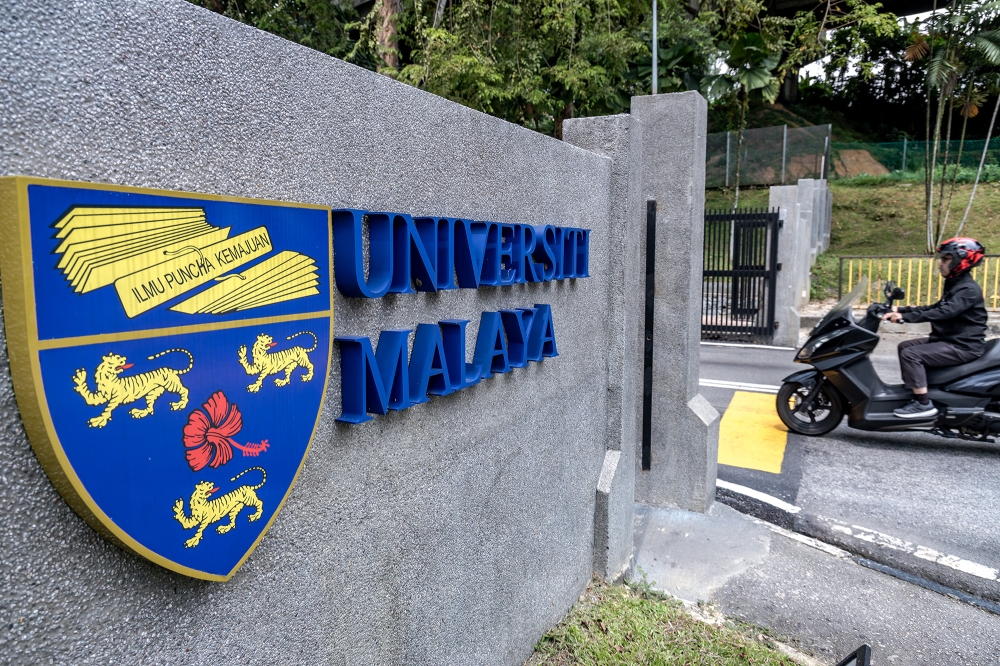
x=959 y=318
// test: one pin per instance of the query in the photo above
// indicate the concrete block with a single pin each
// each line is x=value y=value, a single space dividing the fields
x=612 y=137
x=793 y=263
x=822 y=220
x=684 y=431
x=828 y=216
x=615 y=507
x=807 y=203
x=454 y=532
x=804 y=255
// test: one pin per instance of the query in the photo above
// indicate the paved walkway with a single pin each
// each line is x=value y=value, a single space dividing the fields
x=809 y=594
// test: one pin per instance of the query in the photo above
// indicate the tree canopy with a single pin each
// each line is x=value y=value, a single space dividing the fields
x=538 y=62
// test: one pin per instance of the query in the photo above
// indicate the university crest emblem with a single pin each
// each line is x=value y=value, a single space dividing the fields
x=170 y=354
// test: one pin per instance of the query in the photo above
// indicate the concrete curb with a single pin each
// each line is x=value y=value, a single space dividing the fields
x=864 y=546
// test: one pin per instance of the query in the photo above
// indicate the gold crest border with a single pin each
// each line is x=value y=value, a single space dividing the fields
x=23 y=346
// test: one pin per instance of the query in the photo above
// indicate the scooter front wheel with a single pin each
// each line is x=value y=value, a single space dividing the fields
x=818 y=418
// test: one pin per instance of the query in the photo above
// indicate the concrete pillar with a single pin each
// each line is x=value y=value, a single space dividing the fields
x=805 y=256
x=827 y=215
x=611 y=136
x=793 y=263
x=670 y=131
x=806 y=197
x=819 y=214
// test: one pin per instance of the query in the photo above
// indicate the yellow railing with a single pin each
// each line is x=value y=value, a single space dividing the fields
x=917 y=275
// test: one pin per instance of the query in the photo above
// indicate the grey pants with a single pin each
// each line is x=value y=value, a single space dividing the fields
x=915 y=356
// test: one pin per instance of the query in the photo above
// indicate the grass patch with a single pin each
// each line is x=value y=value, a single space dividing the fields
x=750 y=197
x=890 y=218
x=634 y=625
x=825 y=276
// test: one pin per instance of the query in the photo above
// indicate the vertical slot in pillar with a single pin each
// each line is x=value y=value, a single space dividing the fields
x=647 y=356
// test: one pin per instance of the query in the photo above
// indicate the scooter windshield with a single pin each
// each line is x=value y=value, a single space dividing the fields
x=843 y=306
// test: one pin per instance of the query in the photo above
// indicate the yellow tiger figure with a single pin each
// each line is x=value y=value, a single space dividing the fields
x=113 y=390
x=204 y=511
x=271 y=363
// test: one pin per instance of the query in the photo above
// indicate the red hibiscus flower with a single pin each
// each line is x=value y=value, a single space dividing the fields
x=208 y=436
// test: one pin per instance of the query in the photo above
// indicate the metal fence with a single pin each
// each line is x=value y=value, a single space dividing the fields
x=770 y=155
x=738 y=275
x=849 y=160
x=918 y=275
x=782 y=154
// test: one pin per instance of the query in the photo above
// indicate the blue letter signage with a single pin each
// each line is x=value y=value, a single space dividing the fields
x=375 y=381
x=429 y=252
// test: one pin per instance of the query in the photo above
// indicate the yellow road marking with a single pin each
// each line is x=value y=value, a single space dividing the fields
x=751 y=435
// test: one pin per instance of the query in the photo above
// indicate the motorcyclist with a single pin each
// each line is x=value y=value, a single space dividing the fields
x=958 y=324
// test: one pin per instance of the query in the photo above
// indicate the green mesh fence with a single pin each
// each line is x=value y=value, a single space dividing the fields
x=908 y=159
x=781 y=155
x=770 y=155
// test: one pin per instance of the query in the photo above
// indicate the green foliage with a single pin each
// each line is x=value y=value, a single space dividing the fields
x=533 y=63
x=538 y=62
x=965 y=176
x=319 y=24
x=681 y=67
x=750 y=69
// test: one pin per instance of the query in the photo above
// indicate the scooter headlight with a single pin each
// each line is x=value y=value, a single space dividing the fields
x=810 y=347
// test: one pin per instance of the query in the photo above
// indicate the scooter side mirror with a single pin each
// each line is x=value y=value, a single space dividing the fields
x=898 y=294
x=890 y=288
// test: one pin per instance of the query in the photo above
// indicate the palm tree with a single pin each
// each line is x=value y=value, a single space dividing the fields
x=982 y=160
x=964 y=41
x=750 y=70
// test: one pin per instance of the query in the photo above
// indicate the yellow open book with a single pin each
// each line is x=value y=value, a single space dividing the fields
x=284 y=277
x=99 y=245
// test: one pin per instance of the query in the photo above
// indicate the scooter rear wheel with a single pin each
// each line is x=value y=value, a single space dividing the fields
x=822 y=416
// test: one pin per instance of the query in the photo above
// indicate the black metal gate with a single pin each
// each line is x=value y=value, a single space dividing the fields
x=738 y=275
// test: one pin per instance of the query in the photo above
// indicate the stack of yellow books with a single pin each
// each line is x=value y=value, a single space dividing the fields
x=284 y=277
x=101 y=244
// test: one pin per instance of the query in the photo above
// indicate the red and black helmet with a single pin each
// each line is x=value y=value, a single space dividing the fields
x=966 y=254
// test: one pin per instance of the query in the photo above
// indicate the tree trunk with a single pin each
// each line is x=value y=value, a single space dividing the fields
x=387 y=36
x=944 y=163
x=928 y=171
x=439 y=12
x=557 y=125
x=982 y=161
x=958 y=164
x=744 y=102
x=933 y=163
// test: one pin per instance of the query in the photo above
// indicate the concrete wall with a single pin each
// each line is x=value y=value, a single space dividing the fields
x=657 y=153
x=806 y=209
x=794 y=257
x=619 y=138
x=669 y=131
x=454 y=532
x=806 y=198
x=815 y=204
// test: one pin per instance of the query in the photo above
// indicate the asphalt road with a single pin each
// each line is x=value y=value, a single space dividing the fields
x=918 y=503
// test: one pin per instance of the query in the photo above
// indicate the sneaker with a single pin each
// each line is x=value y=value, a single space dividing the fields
x=914 y=410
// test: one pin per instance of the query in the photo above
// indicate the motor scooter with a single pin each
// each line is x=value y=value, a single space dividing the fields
x=842 y=381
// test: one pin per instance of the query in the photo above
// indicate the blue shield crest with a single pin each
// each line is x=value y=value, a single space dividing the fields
x=170 y=354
